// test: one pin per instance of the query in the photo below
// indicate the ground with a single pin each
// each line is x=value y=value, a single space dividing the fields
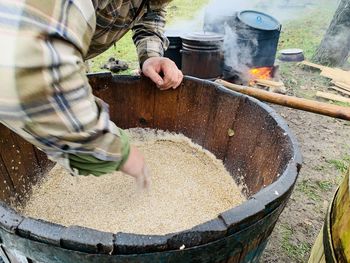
x=325 y=148
x=323 y=140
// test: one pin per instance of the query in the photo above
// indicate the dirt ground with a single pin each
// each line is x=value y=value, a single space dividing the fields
x=325 y=147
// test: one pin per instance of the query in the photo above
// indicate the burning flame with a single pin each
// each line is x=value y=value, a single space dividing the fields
x=261 y=73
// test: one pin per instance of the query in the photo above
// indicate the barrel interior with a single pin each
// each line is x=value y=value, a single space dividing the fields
x=256 y=155
x=258 y=151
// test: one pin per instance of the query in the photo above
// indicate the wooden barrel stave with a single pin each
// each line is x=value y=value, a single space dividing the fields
x=199 y=109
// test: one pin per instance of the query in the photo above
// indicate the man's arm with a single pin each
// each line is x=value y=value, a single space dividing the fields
x=150 y=42
x=46 y=97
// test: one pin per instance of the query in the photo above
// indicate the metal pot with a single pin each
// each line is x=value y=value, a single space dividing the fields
x=174 y=50
x=257 y=34
x=202 y=55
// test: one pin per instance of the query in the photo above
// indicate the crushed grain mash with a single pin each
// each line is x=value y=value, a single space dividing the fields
x=189 y=186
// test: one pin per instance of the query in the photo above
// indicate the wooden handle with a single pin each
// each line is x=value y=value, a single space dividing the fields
x=331 y=110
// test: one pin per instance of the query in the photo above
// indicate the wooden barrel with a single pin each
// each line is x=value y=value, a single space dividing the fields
x=262 y=155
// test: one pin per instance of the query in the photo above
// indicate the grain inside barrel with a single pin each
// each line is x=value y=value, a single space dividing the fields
x=260 y=153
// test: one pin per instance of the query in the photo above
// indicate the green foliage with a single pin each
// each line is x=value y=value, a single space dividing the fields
x=295 y=251
x=342 y=165
x=184 y=9
x=339 y=103
x=325 y=185
x=125 y=49
x=320 y=168
x=307 y=31
x=309 y=189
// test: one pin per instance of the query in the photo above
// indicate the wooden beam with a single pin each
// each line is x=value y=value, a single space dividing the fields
x=313 y=65
x=340 y=90
x=292 y=102
x=269 y=83
x=331 y=96
x=337 y=75
x=342 y=85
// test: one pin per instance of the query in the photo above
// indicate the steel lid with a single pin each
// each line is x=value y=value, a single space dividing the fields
x=203 y=37
x=258 y=20
x=291 y=51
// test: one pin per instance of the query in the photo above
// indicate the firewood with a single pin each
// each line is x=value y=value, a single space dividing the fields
x=340 y=90
x=342 y=85
x=327 y=109
x=269 y=83
x=331 y=96
x=313 y=65
x=337 y=75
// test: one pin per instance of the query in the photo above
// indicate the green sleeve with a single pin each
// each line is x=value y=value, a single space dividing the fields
x=89 y=165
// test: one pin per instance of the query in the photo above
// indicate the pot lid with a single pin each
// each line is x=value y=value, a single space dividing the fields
x=173 y=33
x=203 y=37
x=258 y=20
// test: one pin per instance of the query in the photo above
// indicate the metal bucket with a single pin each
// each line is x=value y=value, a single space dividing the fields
x=202 y=55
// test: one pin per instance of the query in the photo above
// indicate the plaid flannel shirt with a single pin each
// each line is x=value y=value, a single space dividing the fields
x=45 y=96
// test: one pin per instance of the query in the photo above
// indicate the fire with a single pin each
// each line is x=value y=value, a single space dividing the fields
x=261 y=73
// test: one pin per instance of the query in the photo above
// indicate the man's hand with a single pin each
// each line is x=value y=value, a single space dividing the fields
x=155 y=66
x=135 y=167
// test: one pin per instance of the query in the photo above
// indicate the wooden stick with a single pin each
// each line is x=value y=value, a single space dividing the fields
x=269 y=83
x=342 y=85
x=313 y=65
x=340 y=90
x=337 y=75
x=331 y=96
x=292 y=102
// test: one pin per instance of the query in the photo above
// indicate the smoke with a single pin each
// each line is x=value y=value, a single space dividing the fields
x=237 y=57
x=214 y=16
x=189 y=25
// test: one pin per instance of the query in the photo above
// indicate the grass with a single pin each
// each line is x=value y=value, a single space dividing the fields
x=320 y=168
x=341 y=165
x=184 y=9
x=309 y=189
x=306 y=32
x=339 y=103
x=295 y=251
x=125 y=49
x=325 y=185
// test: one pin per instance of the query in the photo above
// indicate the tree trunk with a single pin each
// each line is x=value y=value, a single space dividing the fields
x=335 y=46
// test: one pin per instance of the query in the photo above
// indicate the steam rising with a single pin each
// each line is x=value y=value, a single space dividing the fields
x=238 y=56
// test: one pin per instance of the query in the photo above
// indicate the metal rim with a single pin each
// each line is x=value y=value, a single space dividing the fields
x=240 y=17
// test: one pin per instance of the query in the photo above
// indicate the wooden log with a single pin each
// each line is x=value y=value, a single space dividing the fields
x=342 y=85
x=331 y=96
x=269 y=83
x=340 y=90
x=292 y=102
x=336 y=75
x=313 y=65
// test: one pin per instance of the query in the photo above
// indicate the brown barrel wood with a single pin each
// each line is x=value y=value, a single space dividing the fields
x=262 y=154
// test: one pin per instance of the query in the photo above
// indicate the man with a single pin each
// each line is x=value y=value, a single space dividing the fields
x=45 y=96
